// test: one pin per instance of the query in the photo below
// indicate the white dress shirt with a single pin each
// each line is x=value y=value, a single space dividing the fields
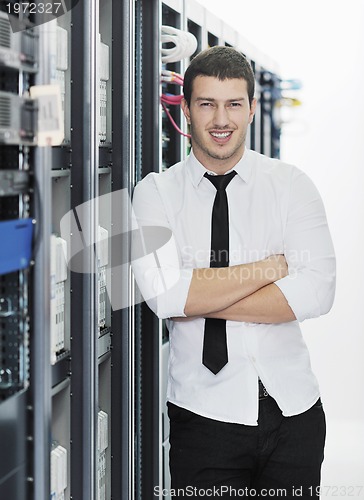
x=274 y=208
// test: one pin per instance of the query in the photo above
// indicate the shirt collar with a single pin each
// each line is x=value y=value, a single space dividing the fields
x=196 y=170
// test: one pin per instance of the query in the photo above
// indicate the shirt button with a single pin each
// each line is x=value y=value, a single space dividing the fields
x=253 y=359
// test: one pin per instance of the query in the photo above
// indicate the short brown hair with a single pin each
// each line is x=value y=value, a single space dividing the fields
x=221 y=62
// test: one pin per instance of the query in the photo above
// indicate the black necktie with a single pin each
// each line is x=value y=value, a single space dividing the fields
x=215 y=355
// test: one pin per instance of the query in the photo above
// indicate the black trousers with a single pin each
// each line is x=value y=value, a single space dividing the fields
x=279 y=458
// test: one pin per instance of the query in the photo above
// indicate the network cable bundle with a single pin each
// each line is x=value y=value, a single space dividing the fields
x=287 y=102
x=58 y=278
x=58 y=472
x=103 y=260
x=172 y=99
x=185 y=45
x=104 y=74
x=103 y=429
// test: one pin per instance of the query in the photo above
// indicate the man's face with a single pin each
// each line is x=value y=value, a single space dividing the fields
x=219 y=115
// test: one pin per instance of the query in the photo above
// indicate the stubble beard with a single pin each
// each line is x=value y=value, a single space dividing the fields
x=212 y=154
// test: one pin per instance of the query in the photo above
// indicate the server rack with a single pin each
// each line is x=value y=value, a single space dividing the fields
x=18 y=65
x=103 y=382
x=79 y=389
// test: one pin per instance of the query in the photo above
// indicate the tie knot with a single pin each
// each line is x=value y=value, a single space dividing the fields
x=220 y=181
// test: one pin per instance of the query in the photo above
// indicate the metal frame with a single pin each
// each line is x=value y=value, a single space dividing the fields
x=84 y=139
x=41 y=370
x=123 y=150
x=148 y=334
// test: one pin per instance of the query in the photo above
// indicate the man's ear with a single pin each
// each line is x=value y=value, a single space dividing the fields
x=253 y=107
x=186 y=110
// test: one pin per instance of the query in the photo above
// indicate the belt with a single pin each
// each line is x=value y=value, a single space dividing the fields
x=263 y=393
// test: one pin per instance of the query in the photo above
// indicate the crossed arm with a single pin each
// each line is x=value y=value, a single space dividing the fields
x=260 y=292
x=240 y=293
x=307 y=292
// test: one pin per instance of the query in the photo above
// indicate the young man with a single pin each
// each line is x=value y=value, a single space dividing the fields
x=244 y=407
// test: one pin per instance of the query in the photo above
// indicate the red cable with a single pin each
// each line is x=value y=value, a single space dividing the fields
x=173 y=122
x=172 y=99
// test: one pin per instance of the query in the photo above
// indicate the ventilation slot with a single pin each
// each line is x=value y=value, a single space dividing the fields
x=5 y=112
x=4 y=33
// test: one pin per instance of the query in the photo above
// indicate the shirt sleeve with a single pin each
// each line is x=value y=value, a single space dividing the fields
x=155 y=256
x=310 y=285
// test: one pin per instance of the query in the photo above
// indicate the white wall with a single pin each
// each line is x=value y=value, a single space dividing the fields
x=322 y=44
